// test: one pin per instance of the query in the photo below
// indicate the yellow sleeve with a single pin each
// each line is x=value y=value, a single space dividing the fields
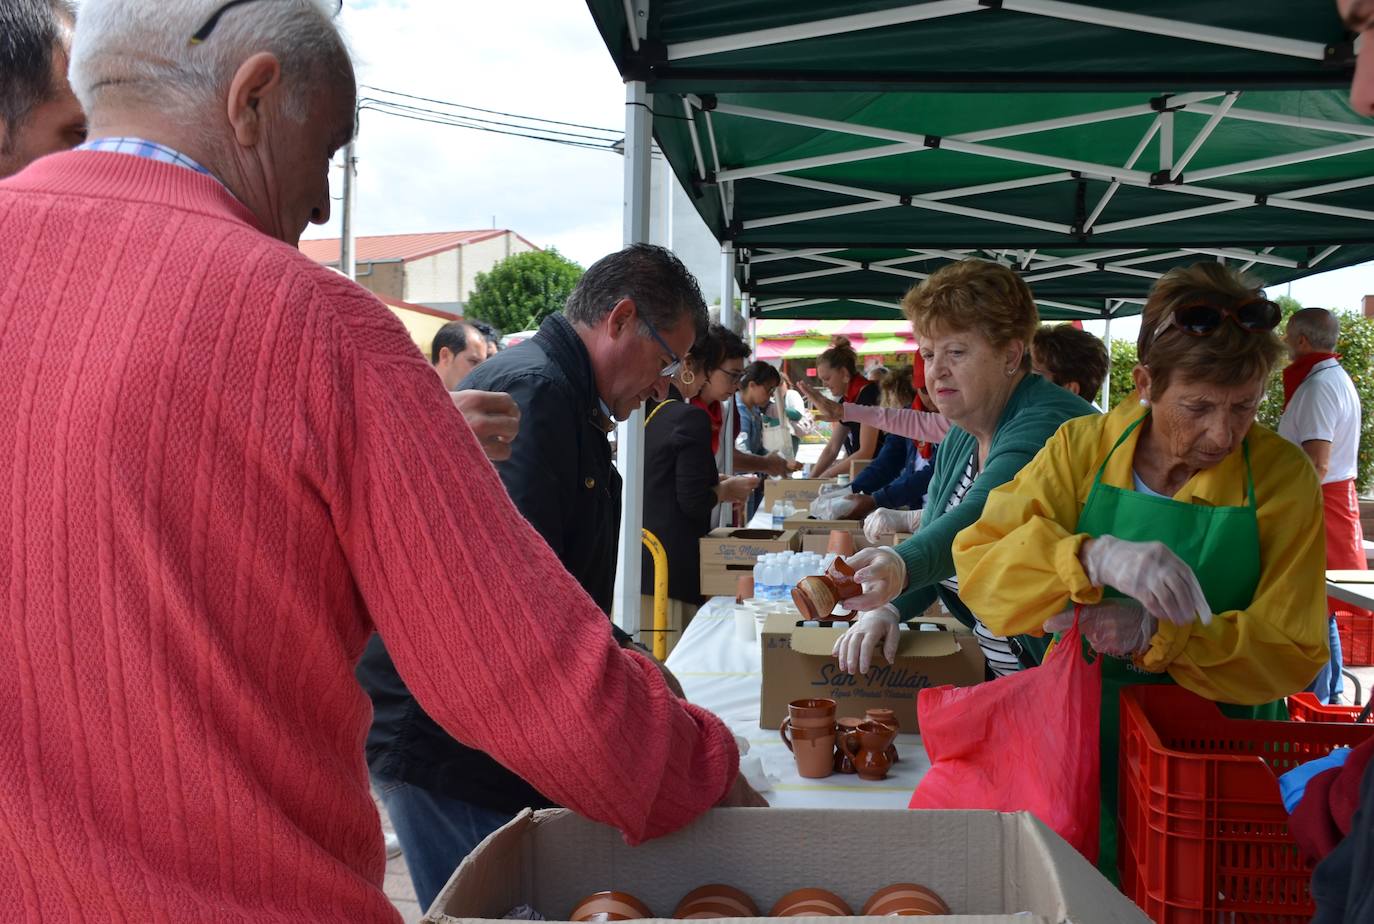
x=1275 y=646
x=1018 y=563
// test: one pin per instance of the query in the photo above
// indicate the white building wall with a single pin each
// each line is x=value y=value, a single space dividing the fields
x=433 y=280
x=481 y=256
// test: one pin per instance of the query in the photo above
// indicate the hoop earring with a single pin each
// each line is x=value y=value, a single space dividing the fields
x=687 y=377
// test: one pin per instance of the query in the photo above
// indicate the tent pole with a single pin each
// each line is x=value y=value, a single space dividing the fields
x=1106 y=397
x=630 y=433
x=728 y=316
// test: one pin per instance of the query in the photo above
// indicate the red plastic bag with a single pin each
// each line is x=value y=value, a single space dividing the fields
x=1025 y=742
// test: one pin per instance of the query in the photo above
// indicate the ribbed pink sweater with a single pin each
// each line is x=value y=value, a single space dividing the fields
x=221 y=466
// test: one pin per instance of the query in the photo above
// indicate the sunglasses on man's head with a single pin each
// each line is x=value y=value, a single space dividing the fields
x=1201 y=318
x=208 y=26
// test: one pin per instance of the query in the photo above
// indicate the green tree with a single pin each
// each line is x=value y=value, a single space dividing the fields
x=520 y=291
x=1123 y=361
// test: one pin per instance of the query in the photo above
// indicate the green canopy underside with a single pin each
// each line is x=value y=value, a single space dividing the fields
x=877 y=145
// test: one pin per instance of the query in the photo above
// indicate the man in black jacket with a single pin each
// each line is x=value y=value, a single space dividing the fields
x=625 y=328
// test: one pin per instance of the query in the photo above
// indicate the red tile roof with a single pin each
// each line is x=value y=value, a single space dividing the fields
x=401 y=247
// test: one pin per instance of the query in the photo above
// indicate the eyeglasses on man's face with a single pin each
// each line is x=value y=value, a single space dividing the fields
x=675 y=361
x=204 y=31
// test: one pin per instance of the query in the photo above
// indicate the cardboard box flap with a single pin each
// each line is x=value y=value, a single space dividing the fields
x=1084 y=893
x=474 y=888
x=817 y=640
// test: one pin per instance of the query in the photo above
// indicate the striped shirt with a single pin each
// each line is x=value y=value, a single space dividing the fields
x=1002 y=659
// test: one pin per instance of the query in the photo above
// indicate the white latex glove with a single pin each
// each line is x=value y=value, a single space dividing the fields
x=880 y=571
x=834 y=506
x=1148 y=572
x=885 y=521
x=855 y=648
x=1113 y=627
x=832 y=488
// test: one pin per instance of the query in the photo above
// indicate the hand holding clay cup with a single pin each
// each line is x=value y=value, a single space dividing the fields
x=610 y=906
x=905 y=899
x=811 y=903
x=715 y=901
x=817 y=596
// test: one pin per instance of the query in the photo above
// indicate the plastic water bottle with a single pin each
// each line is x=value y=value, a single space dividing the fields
x=759 y=584
x=779 y=514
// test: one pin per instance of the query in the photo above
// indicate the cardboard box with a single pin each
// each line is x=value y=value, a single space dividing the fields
x=797 y=664
x=727 y=546
x=799 y=492
x=802 y=521
x=811 y=539
x=989 y=868
x=727 y=553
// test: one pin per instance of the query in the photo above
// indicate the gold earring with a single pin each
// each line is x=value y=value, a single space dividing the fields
x=687 y=377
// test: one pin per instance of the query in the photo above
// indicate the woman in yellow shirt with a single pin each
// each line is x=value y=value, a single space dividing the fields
x=1193 y=537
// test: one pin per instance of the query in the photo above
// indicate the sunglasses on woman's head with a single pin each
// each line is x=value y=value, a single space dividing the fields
x=1201 y=318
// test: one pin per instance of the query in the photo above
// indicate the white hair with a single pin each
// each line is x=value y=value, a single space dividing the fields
x=141 y=49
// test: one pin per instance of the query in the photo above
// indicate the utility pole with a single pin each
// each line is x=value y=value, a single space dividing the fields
x=348 y=263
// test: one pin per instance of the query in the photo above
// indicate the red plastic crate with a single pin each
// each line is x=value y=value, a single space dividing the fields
x=1203 y=833
x=1305 y=707
x=1357 y=636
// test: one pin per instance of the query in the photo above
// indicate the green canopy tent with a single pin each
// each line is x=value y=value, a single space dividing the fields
x=1091 y=145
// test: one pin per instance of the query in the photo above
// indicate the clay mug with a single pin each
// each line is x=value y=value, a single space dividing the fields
x=610 y=906
x=905 y=899
x=715 y=901
x=867 y=748
x=811 y=903
x=811 y=713
x=744 y=588
x=812 y=748
x=841 y=543
x=886 y=717
x=817 y=596
x=846 y=725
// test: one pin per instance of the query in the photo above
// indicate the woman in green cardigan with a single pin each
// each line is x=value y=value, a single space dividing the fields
x=975 y=321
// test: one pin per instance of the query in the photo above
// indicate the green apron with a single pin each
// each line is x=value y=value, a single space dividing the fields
x=1220 y=544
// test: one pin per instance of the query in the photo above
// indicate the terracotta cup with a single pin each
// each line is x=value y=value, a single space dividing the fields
x=886 y=717
x=846 y=725
x=841 y=542
x=905 y=899
x=812 y=748
x=610 y=906
x=867 y=748
x=744 y=588
x=808 y=903
x=811 y=713
x=715 y=901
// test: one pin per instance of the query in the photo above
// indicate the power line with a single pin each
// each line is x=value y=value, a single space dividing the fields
x=450 y=121
x=469 y=119
x=509 y=115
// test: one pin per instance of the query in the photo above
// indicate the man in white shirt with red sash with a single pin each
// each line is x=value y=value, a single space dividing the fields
x=1322 y=415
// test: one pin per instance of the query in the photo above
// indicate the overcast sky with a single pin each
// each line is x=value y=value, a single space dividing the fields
x=531 y=57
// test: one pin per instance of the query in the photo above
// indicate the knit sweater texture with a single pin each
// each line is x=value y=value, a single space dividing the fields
x=223 y=467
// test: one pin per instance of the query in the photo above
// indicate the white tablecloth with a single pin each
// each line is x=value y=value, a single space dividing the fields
x=1361 y=595
x=722 y=673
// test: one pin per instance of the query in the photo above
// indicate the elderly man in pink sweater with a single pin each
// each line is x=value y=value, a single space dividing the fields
x=220 y=461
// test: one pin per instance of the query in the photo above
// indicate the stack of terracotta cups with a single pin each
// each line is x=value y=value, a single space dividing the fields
x=809 y=733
